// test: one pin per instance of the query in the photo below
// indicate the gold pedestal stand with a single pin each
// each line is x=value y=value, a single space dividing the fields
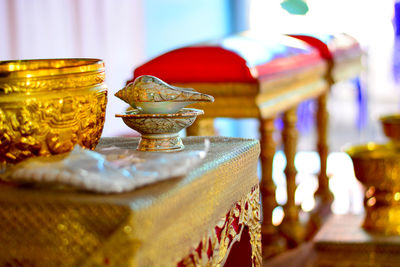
x=160 y=132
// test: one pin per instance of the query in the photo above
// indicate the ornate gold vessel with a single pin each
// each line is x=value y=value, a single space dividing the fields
x=158 y=113
x=160 y=132
x=377 y=167
x=47 y=106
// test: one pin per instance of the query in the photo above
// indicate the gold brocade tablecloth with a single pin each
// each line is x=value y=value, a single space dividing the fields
x=157 y=225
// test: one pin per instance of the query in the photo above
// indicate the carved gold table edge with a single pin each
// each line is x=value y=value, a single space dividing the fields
x=215 y=247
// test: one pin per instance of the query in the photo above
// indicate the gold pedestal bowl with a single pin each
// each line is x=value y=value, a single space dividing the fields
x=47 y=106
x=160 y=132
x=377 y=167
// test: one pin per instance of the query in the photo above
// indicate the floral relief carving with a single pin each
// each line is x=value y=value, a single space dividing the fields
x=42 y=127
x=214 y=248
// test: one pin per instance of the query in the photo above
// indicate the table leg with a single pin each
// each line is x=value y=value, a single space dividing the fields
x=291 y=227
x=323 y=195
x=201 y=127
x=273 y=243
x=323 y=191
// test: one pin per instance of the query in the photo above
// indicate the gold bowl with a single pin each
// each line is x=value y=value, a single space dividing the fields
x=377 y=167
x=47 y=106
x=391 y=127
x=160 y=132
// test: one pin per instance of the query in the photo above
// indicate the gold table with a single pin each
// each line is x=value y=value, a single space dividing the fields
x=192 y=220
x=265 y=88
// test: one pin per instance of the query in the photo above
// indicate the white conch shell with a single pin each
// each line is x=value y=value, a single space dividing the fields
x=152 y=95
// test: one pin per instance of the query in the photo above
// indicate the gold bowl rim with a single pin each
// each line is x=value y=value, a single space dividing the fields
x=390 y=118
x=373 y=151
x=30 y=68
x=184 y=112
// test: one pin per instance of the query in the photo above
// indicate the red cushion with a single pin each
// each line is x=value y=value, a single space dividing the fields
x=332 y=46
x=315 y=42
x=239 y=58
x=198 y=64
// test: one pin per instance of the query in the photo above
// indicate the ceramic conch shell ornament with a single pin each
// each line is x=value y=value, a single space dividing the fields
x=153 y=96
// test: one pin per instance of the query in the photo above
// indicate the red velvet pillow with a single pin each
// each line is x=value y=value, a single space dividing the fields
x=233 y=59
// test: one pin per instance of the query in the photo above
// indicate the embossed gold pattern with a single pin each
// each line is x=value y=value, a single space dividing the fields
x=48 y=106
x=44 y=84
x=148 y=88
x=160 y=132
x=160 y=123
x=146 y=227
x=23 y=76
x=214 y=248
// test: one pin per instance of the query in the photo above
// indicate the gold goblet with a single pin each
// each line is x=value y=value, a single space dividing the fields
x=377 y=167
x=47 y=106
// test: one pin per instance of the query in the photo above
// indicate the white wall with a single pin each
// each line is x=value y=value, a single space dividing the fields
x=111 y=30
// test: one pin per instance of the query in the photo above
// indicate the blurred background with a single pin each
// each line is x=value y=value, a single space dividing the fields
x=124 y=33
x=127 y=33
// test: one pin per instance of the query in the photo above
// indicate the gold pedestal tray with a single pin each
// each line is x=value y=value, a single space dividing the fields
x=160 y=132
